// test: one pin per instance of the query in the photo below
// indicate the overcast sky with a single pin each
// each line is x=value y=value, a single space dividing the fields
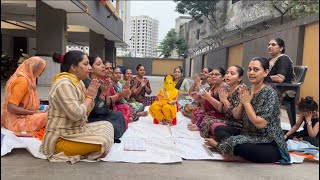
x=163 y=11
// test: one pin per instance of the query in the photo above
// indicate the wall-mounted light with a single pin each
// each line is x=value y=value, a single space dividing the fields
x=110 y=14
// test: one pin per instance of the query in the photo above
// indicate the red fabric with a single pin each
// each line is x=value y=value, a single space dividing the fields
x=125 y=109
x=61 y=59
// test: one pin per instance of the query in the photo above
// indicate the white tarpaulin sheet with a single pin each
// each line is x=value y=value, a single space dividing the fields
x=163 y=144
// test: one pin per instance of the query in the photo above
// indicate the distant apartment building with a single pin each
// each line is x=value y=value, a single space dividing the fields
x=84 y=49
x=180 y=21
x=144 y=36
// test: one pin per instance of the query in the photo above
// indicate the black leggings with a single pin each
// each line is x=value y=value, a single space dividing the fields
x=259 y=153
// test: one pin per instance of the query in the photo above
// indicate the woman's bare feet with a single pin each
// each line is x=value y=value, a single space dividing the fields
x=164 y=122
x=185 y=113
x=143 y=113
x=193 y=127
x=234 y=158
x=104 y=154
x=130 y=119
x=193 y=119
x=211 y=142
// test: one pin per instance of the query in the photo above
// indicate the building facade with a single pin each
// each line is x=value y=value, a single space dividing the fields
x=235 y=19
x=125 y=9
x=144 y=36
x=41 y=27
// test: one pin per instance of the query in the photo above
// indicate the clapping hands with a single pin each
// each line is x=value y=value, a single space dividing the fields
x=105 y=87
x=206 y=94
x=195 y=95
x=144 y=82
x=196 y=78
x=244 y=95
x=126 y=88
x=93 y=88
x=126 y=85
x=223 y=94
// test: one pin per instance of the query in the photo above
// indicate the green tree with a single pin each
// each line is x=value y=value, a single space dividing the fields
x=172 y=41
x=294 y=8
x=181 y=46
x=200 y=10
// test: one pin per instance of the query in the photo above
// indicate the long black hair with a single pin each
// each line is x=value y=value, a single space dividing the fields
x=281 y=44
x=221 y=70
x=307 y=104
x=265 y=65
x=69 y=59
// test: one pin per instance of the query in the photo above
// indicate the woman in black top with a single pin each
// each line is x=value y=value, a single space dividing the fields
x=103 y=110
x=280 y=65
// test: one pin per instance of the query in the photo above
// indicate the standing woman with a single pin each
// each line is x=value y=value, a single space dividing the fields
x=261 y=140
x=68 y=136
x=140 y=85
x=20 y=110
x=280 y=65
x=103 y=110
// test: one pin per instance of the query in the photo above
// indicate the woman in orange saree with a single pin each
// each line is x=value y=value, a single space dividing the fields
x=20 y=110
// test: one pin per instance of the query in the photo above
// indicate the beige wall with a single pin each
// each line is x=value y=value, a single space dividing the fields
x=235 y=55
x=310 y=58
x=165 y=66
x=119 y=61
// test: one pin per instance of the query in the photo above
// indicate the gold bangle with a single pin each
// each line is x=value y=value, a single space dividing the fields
x=90 y=98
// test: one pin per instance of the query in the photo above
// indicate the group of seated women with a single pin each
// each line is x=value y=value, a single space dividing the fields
x=90 y=106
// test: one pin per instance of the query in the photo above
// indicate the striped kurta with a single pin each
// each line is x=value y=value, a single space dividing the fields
x=67 y=119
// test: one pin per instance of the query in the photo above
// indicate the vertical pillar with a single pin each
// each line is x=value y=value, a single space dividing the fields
x=31 y=46
x=51 y=37
x=110 y=51
x=96 y=44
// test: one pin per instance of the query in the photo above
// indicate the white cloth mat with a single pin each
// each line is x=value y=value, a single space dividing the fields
x=164 y=144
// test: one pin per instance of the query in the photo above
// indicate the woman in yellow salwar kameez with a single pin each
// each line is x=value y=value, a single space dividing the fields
x=164 y=109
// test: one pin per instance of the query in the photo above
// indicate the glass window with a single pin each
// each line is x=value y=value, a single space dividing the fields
x=198 y=33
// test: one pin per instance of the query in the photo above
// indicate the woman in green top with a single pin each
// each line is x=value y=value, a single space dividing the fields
x=182 y=85
x=137 y=107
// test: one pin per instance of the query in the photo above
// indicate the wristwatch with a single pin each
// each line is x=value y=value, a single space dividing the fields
x=201 y=92
x=309 y=123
